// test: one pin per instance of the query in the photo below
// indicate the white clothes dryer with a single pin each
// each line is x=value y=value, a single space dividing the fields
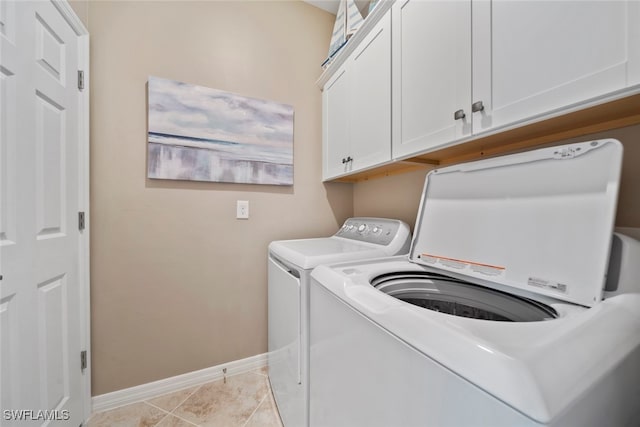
x=290 y=265
x=514 y=307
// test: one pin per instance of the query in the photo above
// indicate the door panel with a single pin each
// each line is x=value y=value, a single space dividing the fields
x=8 y=352
x=7 y=150
x=56 y=206
x=50 y=160
x=13 y=249
x=53 y=341
x=40 y=305
x=49 y=50
x=7 y=20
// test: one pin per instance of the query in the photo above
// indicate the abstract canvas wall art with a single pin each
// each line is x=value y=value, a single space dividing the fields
x=201 y=134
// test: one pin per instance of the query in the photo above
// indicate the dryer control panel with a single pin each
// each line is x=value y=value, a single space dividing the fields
x=381 y=231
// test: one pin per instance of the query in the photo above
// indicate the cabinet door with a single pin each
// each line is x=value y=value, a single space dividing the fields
x=431 y=73
x=370 y=106
x=335 y=124
x=533 y=57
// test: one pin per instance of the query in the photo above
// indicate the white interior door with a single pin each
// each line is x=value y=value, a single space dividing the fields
x=42 y=310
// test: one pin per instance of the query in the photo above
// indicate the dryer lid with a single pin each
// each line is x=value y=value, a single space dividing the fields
x=540 y=221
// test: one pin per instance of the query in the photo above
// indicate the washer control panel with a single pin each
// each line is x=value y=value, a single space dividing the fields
x=380 y=231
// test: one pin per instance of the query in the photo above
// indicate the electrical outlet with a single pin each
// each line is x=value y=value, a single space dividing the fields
x=242 y=209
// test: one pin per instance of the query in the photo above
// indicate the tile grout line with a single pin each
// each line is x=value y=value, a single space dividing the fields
x=175 y=416
x=162 y=419
x=171 y=413
x=186 y=421
x=254 y=411
x=156 y=407
x=271 y=398
x=166 y=414
x=182 y=403
x=187 y=398
x=177 y=406
x=274 y=406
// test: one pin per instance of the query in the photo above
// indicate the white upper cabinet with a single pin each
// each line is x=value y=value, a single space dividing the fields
x=533 y=57
x=503 y=62
x=432 y=73
x=370 y=110
x=357 y=106
x=335 y=125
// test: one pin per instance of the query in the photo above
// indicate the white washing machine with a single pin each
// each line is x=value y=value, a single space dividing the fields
x=514 y=307
x=290 y=265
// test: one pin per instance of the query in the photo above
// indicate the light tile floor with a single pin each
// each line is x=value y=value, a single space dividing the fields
x=245 y=400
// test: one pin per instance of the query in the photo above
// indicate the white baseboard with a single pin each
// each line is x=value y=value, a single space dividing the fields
x=153 y=389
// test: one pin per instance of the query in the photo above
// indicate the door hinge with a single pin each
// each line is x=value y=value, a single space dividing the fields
x=80 y=79
x=80 y=221
x=83 y=360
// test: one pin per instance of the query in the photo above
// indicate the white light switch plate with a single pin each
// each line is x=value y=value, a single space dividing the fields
x=242 y=209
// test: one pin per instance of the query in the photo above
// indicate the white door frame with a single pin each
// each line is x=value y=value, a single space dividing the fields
x=83 y=194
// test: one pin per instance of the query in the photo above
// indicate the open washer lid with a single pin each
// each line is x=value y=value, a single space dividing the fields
x=540 y=221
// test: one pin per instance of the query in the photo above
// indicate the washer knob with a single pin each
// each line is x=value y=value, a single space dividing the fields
x=362 y=228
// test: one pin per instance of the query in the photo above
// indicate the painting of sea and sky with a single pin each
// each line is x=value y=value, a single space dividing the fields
x=202 y=134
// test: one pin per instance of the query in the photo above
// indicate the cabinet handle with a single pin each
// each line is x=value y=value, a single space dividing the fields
x=477 y=106
x=349 y=159
x=459 y=115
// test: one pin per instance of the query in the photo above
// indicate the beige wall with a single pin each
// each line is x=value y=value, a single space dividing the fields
x=177 y=283
x=81 y=8
x=399 y=195
x=628 y=214
x=395 y=196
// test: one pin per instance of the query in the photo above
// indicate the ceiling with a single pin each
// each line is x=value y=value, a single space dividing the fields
x=328 y=5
